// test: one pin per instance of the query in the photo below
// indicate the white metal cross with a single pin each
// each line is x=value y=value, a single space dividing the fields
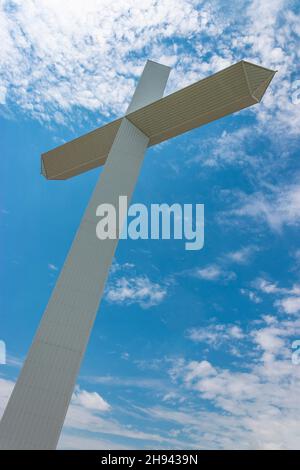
x=37 y=407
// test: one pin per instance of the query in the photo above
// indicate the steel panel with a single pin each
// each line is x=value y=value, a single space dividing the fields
x=38 y=404
x=230 y=90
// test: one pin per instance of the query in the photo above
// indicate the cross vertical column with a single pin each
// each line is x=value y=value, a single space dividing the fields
x=37 y=407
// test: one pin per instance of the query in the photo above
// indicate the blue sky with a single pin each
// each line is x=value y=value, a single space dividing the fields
x=189 y=349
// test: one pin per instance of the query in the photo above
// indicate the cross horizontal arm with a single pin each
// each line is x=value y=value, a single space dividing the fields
x=239 y=86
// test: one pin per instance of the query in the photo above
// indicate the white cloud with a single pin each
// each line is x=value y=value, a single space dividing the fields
x=80 y=419
x=278 y=207
x=216 y=334
x=269 y=339
x=210 y=273
x=297 y=255
x=213 y=272
x=90 y=400
x=241 y=256
x=84 y=415
x=252 y=295
x=269 y=35
x=14 y=361
x=289 y=301
x=140 y=290
x=229 y=148
x=253 y=406
x=56 y=55
x=52 y=267
x=266 y=287
x=290 y=305
x=198 y=369
x=6 y=387
x=131 y=382
x=60 y=57
x=69 y=441
x=2 y=94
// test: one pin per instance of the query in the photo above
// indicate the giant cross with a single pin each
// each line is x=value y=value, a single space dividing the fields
x=36 y=410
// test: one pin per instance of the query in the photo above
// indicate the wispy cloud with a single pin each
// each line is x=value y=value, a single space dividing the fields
x=134 y=382
x=216 y=334
x=290 y=304
x=14 y=361
x=254 y=406
x=86 y=415
x=52 y=267
x=287 y=299
x=241 y=256
x=126 y=287
x=6 y=387
x=81 y=418
x=278 y=207
x=70 y=441
x=251 y=295
x=227 y=149
x=89 y=400
x=213 y=272
x=58 y=56
x=55 y=69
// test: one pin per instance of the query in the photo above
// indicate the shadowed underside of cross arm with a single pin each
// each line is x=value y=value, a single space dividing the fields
x=239 y=86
